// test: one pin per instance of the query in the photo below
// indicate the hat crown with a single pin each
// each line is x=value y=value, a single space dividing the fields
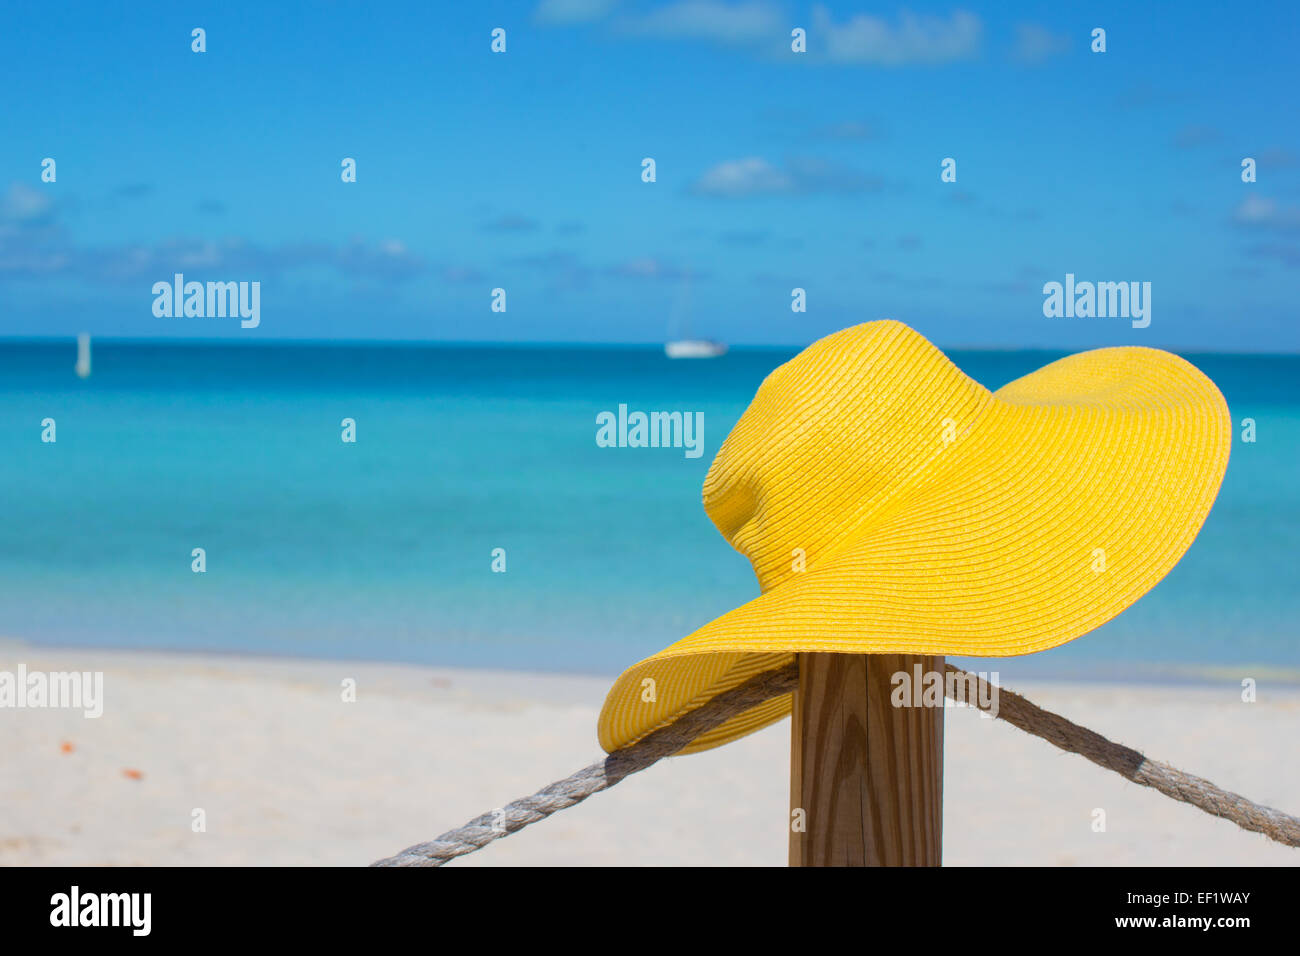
x=833 y=441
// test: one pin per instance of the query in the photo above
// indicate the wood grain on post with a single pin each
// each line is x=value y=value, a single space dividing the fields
x=868 y=775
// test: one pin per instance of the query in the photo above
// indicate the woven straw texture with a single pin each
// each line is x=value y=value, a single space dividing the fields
x=891 y=504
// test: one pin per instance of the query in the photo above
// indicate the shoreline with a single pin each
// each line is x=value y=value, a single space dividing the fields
x=287 y=773
x=1147 y=673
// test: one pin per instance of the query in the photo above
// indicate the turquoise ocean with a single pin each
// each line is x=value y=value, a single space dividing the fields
x=383 y=549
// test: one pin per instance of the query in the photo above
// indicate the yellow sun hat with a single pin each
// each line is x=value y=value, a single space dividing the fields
x=890 y=504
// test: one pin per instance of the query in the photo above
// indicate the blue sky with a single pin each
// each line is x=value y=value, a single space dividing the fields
x=522 y=170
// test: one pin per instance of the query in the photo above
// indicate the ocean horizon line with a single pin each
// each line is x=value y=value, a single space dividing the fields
x=238 y=342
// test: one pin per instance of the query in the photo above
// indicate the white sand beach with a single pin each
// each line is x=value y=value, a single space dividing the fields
x=287 y=773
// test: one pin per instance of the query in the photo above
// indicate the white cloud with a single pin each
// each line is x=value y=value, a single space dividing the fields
x=751 y=176
x=747 y=21
x=754 y=176
x=645 y=267
x=913 y=39
x=1035 y=44
x=33 y=244
x=24 y=203
x=1266 y=213
x=851 y=130
x=1191 y=137
x=763 y=26
x=573 y=11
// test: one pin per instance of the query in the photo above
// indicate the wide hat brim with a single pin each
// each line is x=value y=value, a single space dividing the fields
x=1074 y=492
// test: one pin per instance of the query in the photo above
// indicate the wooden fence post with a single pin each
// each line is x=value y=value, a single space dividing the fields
x=868 y=776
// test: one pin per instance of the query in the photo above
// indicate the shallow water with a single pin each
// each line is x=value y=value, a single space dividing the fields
x=383 y=548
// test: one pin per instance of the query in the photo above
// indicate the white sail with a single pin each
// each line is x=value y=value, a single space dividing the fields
x=83 y=355
x=680 y=344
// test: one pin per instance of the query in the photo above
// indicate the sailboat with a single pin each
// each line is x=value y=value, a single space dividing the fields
x=694 y=348
x=83 y=355
x=685 y=346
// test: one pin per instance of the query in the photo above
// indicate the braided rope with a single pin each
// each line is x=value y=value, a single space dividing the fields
x=600 y=775
x=1132 y=765
x=666 y=741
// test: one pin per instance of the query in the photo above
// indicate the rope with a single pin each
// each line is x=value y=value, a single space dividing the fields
x=600 y=775
x=666 y=741
x=1132 y=765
